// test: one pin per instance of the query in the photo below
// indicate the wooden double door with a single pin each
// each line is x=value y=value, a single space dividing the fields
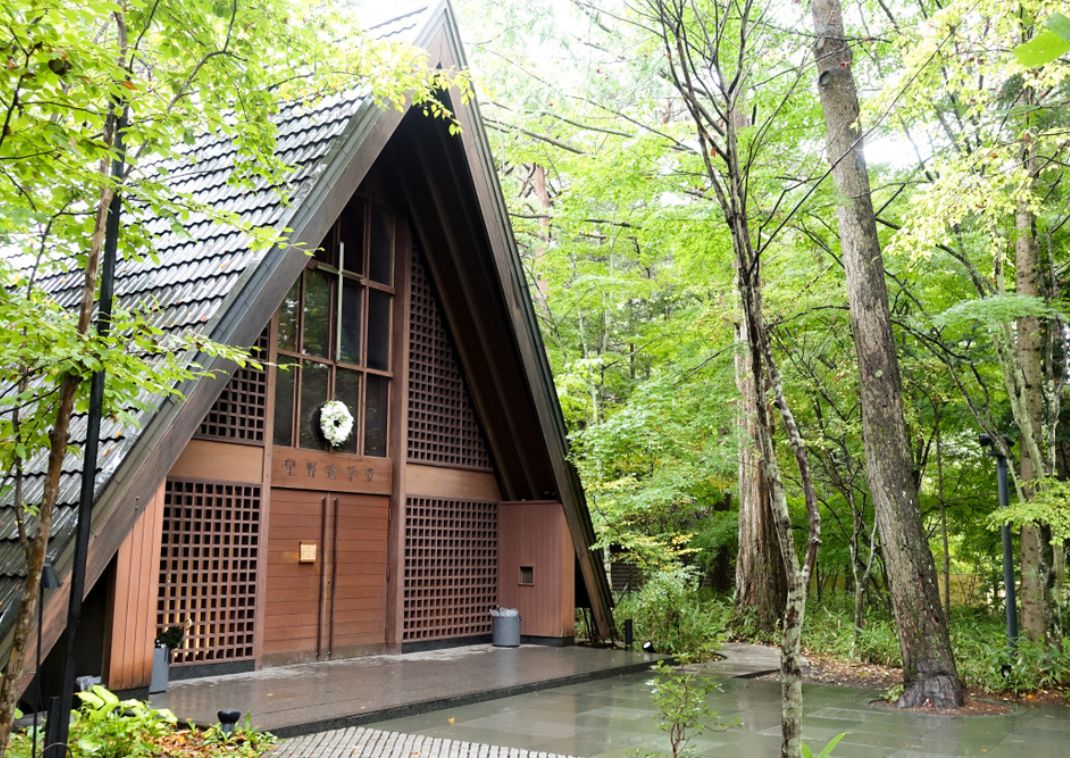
x=326 y=575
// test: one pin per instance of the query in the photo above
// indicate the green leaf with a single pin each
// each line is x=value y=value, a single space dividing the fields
x=1047 y=46
x=831 y=745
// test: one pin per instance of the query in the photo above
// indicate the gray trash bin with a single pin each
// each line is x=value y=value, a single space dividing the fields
x=505 y=628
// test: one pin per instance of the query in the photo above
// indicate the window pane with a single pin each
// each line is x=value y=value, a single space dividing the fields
x=382 y=247
x=349 y=350
x=288 y=311
x=379 y=330
x=352 y=224
x=284 y=405
x=375 y=415
x=347 y=389
x=313 y=395
x=317 y=321
x=326 y=252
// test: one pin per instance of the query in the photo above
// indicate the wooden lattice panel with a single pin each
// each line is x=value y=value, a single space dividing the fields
x=208 y=559
x=443 y=428
x=451 y=558
x=238 y=414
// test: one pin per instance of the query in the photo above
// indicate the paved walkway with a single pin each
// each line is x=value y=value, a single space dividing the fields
x=359 y=742
x=614 y=718
x=313 y=697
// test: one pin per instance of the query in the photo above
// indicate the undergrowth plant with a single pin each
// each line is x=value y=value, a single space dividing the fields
x=670 y=611
x=104 y=726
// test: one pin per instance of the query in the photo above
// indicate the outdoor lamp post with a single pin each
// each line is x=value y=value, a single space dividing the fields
x=49 y=581
x=1005 y=532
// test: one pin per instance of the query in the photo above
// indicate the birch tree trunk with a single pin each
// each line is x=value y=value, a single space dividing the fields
x=929 y=673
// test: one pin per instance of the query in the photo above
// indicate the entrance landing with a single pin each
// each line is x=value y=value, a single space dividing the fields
x=311 y=697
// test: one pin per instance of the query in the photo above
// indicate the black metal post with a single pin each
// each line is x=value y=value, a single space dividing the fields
x=49 y=581
x=1010 y=601
x=59 y=715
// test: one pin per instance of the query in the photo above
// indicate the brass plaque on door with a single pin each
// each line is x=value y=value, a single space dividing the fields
x=307 y=553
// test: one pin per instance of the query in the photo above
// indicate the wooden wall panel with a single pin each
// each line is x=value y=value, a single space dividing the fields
x=461 y=484
x=132 y=607
x=220 y=462
x=330 y=472
x=535 y=534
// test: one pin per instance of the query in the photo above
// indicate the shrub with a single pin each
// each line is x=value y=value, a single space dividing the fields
x=681 y=699
x=978 y=636
x=669 y=611
x=106 y=727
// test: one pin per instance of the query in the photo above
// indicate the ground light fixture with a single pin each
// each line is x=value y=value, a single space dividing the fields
x=1010 y=602
x=648 y=647
x=227 y=719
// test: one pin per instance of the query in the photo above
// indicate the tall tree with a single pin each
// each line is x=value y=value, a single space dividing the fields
x=761 y=584
x=929 y=672
x=712 y=51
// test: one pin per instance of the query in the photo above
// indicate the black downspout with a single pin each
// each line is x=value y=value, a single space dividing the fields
x=60 y=708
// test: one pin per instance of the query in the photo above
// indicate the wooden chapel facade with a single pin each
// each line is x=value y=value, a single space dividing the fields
x=231 y=517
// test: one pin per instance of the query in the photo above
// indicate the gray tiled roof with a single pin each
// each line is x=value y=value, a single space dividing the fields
x=190 y=278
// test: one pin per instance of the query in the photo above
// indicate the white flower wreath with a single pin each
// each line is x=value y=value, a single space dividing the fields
x=336 y=422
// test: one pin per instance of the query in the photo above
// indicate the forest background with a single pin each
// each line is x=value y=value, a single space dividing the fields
x=630 y=262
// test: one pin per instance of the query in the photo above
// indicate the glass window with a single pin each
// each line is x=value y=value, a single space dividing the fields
x=378 y=330
x=381 y=266
x=317 y=315
x=349 y=347
x=333 y=327
x=347 y=389
x=288 y=311
x=284 y=404
x=376 y=412
x=313 y=395
x=327 y=252
x=352 y=236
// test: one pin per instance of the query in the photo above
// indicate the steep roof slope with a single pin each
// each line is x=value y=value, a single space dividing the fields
x=207 y=280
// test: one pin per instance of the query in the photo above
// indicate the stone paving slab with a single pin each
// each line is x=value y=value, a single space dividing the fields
x=741 y=659
x=314 y=697
x=361 y=742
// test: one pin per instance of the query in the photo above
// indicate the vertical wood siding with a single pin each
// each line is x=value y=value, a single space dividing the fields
x=128 y=659
x=536 y=534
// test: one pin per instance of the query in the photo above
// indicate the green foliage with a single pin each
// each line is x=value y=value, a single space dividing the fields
x=978 y=637
x=1050 y=506
x=830 y=631
x=987 y=663
x=681 y=699
x=826 y=750
x=104 y=726
x=669 y=611
x=107 y=727
x=1047 y=46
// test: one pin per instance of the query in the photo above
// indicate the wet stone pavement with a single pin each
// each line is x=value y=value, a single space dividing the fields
x=314 y=697
x=614 y=718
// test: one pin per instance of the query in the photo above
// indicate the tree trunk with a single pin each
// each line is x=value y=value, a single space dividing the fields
x=929 y=673
x=1035 y=539
x=761 y=586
